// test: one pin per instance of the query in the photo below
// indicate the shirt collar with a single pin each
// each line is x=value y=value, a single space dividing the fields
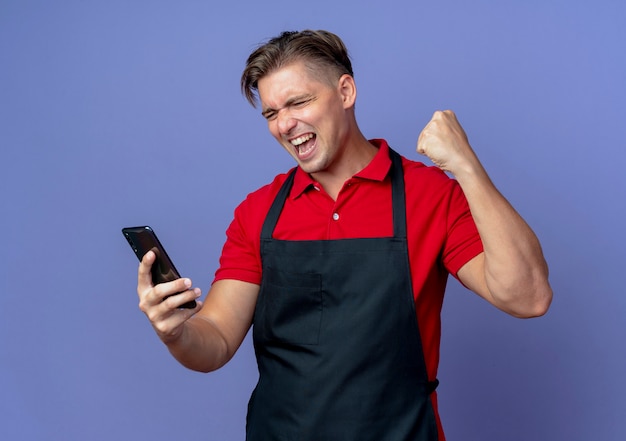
x=376 y=170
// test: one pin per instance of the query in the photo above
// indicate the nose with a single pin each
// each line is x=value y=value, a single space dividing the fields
x=285 y=122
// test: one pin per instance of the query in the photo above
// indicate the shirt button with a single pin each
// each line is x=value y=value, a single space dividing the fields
x=335 y=216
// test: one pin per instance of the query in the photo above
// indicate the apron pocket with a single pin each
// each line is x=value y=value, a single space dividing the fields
x=290 y=307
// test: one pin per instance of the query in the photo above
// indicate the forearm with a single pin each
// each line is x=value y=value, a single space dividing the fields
x=511 y=273
x=515 y=271
x=200 y=346
x=210 y=338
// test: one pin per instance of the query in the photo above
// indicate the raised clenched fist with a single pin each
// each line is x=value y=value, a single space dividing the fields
x=445 y=143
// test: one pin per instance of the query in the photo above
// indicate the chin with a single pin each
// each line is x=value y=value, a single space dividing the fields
x=309 y=167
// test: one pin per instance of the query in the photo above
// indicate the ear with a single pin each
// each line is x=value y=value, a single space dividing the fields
x=347 y=90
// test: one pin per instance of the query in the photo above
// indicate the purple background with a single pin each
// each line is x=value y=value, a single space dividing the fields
x=122 y=113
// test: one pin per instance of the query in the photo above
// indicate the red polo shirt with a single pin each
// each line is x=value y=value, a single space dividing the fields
x=441 y=233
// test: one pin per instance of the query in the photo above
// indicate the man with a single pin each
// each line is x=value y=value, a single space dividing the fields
x=341 y=264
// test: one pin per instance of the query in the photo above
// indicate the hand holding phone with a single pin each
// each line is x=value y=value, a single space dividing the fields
x=144 y=239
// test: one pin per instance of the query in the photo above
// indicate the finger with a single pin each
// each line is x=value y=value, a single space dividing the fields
x=423 y=140
x=166 y=289
x=144 y=274
x=180 y=298
x=164 y=299
x=449 y=114
x=168 y=321
x=421 y=149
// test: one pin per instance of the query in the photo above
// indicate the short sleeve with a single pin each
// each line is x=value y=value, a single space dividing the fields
x=241 y=255
x=462 y=242
x=240 y=259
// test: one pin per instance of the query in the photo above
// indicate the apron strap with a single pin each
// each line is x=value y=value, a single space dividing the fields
x=277 y=207
x=397 y=195
x=397 y=198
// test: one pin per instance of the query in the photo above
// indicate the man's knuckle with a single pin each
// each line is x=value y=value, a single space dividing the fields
x=161 y=328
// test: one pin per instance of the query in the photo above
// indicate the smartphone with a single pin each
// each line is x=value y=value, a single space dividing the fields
x=144 y=239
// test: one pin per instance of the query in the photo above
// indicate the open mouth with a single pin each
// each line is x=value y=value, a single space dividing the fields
x=304 y=143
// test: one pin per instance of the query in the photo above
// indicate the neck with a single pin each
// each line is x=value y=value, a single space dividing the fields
x=356 y=155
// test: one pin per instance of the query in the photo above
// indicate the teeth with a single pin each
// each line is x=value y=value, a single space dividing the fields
x=302 y=139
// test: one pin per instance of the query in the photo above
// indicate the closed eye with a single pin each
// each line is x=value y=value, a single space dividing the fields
x=301 y=103
x=297 y=102
x=269 y=114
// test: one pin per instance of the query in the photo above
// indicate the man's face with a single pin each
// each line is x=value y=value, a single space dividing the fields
x=306 y=115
